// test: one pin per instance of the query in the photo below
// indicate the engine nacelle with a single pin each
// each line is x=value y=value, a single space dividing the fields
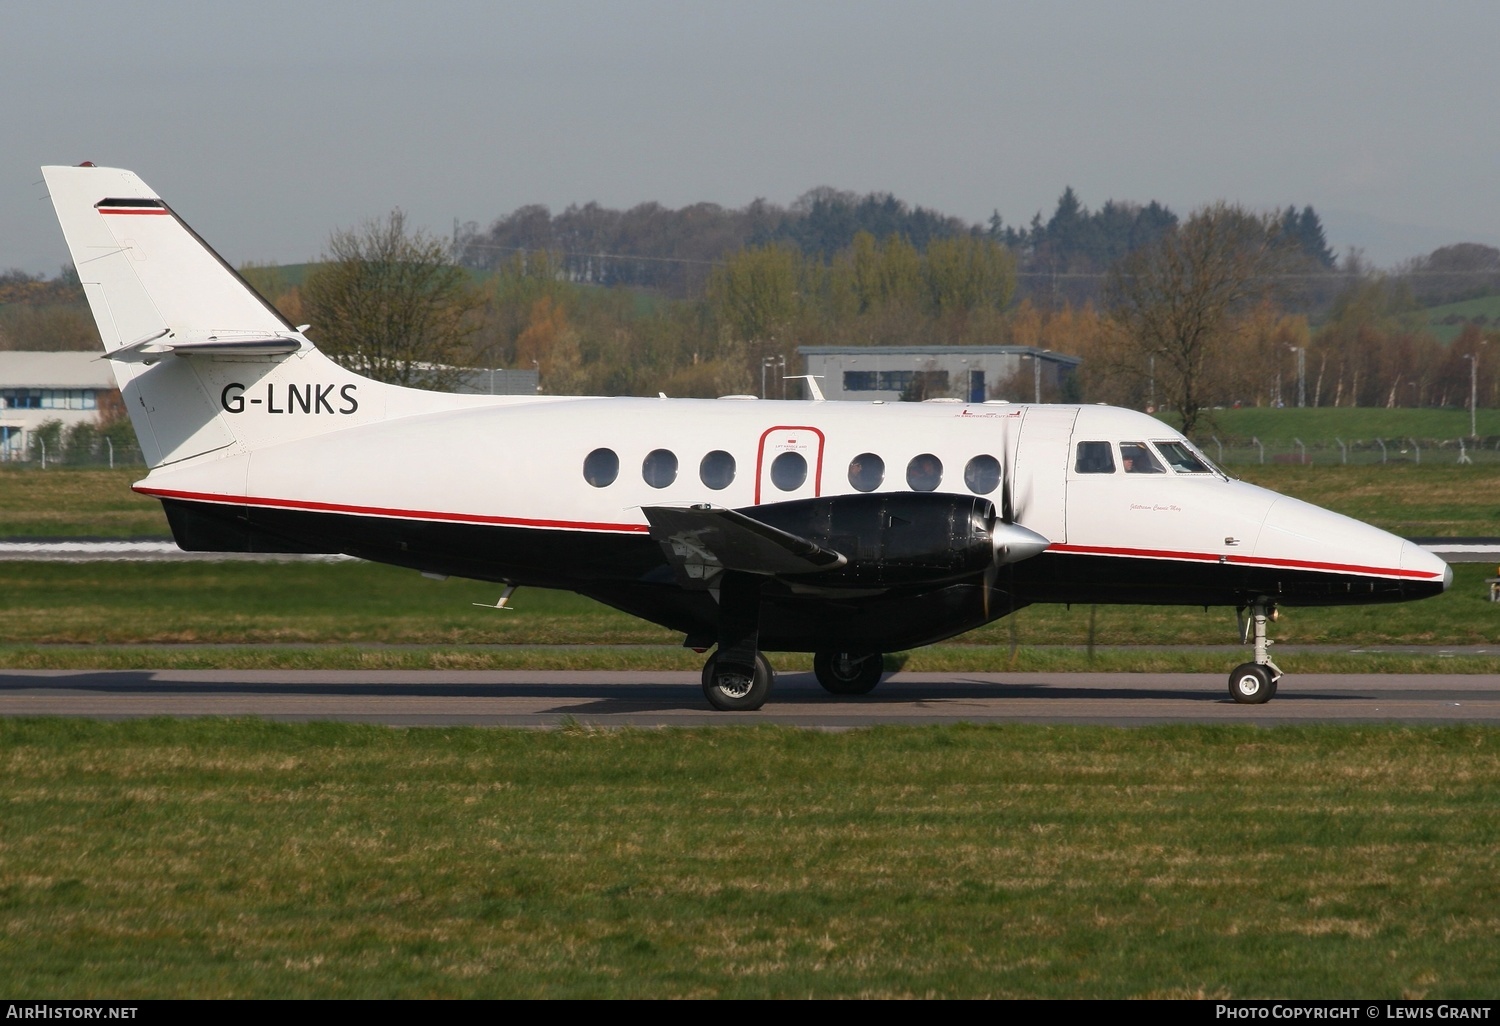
x=892 y=538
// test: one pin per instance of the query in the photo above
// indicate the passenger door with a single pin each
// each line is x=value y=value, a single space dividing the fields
x=788 y=464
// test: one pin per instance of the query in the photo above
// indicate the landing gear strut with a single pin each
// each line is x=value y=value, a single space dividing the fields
x=737 y=678
x=848 y=673
x=1255 y=683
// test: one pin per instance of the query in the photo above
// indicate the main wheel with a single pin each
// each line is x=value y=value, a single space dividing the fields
x=848 y=673
x=734 y=692
x=1251 y=684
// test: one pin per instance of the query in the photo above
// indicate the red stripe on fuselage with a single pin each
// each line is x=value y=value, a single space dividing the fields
x=1239 y=560
x=400 y=514
x=132 y=210
x=584 y=525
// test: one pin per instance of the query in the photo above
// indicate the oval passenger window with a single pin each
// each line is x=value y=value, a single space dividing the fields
x=866 y=471
x=924 y=473
x=659 y=468
x=788 y=471
x=717 y=470
x=601 y=467
x=982 y=475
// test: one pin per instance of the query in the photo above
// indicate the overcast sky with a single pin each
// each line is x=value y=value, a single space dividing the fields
x=269 y=124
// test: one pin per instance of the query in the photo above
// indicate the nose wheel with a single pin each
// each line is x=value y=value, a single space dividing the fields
x=1255 y=683
x=1251 y=684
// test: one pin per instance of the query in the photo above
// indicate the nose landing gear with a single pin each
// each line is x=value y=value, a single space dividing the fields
x=1255 y=683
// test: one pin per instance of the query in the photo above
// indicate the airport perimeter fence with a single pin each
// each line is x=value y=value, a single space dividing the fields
x=106 y=450
x=75 y=448
x=1326 y=452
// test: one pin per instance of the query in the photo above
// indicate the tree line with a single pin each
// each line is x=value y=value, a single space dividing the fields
x=1199 y=313
x=1185 y=314
x=1060 y=259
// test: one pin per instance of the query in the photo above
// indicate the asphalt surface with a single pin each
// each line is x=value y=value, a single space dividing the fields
x=668 y=699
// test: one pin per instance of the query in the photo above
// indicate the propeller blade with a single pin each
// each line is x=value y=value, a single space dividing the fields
x=1023 y=500
x=1008 y=482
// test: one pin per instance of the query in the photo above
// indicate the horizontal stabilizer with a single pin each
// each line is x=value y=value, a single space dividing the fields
x=154 y=347
x=700 y=541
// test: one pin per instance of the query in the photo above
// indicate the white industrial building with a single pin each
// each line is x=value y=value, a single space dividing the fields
x=970 y=373
x=38 y=387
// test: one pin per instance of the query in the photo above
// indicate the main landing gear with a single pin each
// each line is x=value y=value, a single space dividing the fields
x=848 y=673
x=732 y=689
x=737 y=678
x=1255 y=683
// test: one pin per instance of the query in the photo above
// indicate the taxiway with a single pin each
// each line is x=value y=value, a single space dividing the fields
x=668 y=699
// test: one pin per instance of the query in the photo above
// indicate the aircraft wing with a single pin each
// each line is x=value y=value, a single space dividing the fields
x=700 y=541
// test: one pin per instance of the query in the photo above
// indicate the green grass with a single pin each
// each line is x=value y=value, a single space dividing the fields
x=248 y=859
x=1351 y=424
x=282 y=603
x=944 y=658
x=76 y=501
x=353 y=603
x=1485 y=306
x=1442 y=500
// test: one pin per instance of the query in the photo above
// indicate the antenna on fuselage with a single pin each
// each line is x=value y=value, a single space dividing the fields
x=812 y=385
x=503 y=603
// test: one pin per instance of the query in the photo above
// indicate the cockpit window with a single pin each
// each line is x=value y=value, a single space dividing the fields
x=1182 y=459
x=1095 y=458
x=1138 y=459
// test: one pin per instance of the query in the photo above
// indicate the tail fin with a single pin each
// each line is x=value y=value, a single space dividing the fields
x=152 y=283
x=158 y=292
x=145 y=272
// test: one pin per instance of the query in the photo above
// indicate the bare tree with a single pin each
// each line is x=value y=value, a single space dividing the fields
x=1182 y=301
x=391 y=305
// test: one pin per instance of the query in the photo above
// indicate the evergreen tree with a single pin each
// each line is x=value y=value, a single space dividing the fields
x=1314 y=241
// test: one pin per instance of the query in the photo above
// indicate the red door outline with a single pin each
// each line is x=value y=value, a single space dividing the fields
x=760 y=453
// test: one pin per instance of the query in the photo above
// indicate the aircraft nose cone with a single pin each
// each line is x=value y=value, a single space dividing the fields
x=1433 y=569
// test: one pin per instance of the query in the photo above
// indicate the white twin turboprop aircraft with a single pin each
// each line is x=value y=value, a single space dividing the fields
x=839 y=528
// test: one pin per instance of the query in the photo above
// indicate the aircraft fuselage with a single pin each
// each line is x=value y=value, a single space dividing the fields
x=509 y=493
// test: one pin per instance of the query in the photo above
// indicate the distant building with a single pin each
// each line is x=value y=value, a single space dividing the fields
x=497 y=382
x=970 y=373
x=38 y=387
x=72 y=387
x=478 y=380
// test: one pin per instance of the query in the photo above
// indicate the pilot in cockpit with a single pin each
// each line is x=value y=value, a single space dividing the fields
x=1138 y=459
